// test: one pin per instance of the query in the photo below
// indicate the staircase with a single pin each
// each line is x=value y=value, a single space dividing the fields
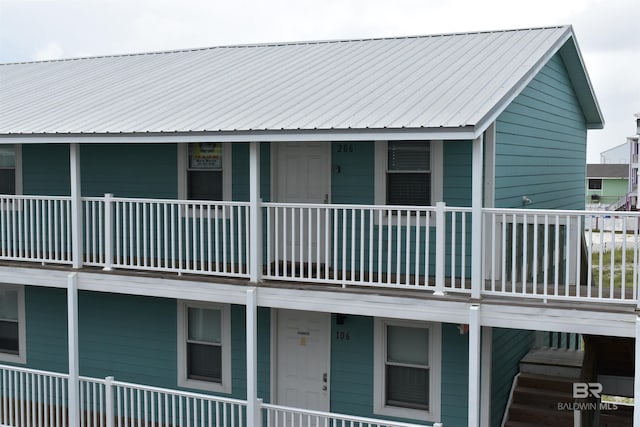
x=543 y=392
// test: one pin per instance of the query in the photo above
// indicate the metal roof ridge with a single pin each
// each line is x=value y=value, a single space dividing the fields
x=278 y=44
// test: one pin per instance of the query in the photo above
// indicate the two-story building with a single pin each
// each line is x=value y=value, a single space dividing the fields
x=349 y=233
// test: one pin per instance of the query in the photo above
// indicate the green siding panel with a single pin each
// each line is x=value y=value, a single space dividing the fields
x=541 y=144
x=352 y=172
x=130 y=170
x=45 y=169
x=46 y=327
x=509 y=347
x=129 y=337
x=352 y=371
x=240 y=171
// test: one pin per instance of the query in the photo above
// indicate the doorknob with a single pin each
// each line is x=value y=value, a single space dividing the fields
x=326 y=198
x=324 y=377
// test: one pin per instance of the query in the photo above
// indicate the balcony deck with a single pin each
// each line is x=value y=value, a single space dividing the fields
x=558 y=255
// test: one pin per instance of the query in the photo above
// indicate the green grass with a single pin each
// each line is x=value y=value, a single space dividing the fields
x=617 y=267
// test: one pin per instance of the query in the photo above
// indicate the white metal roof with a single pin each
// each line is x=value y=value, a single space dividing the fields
x=443 y=83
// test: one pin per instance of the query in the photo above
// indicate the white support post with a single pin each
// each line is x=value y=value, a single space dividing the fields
x=76 y=205
x=485 y=376
x=636 y=378
x=72 y=333
x=108 y=401
x=476 y=219
x=440 y=248
x=253 y=405
x=255 y=214
x=108 y=232
x=474 y=365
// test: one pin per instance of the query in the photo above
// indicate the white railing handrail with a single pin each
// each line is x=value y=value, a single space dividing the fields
x=348 y=206
x=565 y=212
x=337 y=416
x=34 y=371
x=175 y=201
x=31 y=197
x=174 y=392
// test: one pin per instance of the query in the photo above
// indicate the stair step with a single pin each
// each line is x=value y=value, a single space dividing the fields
x=541 y=398
x=546 y=382
x=553 y=362
x=552 y=418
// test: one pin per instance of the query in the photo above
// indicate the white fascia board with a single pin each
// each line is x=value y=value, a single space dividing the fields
x=458 y=133
x=621 y=324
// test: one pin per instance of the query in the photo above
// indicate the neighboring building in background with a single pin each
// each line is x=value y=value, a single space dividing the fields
x=607 y=186
x=633 y=144
x=616 y=155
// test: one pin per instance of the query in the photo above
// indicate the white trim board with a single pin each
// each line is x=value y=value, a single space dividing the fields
x=529 y=315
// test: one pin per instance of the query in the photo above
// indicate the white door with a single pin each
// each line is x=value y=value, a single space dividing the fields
x=302 y=172
x=302 y=367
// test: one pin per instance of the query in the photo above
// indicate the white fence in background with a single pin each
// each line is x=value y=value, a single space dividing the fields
x=30 y=398
x=586 y=255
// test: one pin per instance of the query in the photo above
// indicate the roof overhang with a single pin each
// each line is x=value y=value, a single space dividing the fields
x=460 y=133
x=570 y=53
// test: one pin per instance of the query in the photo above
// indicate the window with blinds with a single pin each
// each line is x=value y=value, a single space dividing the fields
x=407 y=367
x=408 y=173
x=204 y=344
x=7 y=169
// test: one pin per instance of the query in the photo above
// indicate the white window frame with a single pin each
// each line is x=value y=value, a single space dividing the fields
x=379 y=377
x=225 y=319
x=183 y=162
x=436 y=170
x=21 y=357
x=18 y=169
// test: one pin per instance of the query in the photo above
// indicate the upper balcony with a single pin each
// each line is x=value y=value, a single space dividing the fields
x=524 y=253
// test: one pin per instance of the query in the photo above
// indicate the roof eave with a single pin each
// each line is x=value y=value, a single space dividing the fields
x=435 y=133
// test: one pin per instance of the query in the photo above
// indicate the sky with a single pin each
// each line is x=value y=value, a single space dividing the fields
x=607 y=33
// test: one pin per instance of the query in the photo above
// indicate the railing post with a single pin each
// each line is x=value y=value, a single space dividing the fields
x=108 y=232
x=258 y=420
x=72 y=331
x=476 y=218
x=255 y=214
x=76 y=205
x=440 y=247
x=253 y=409
x=108 y=401
x=474 y=365
x=636 y=381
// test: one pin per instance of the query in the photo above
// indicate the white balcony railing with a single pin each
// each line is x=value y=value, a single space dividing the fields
x=30 y=398
x=544 y=254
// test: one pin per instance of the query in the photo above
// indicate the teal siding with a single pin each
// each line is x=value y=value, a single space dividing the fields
x=509 y=347
x=541 y=144
x=130 y=337
x=45 y=169
x=240 y=168
x=455 y=376
x=456 y=188
x=130 y=170
x=46 y=326
x=352 y=371
x=352 y=366
x=352 y=173
x=126 y=170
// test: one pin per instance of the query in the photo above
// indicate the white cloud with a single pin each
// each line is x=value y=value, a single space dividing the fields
x=51 y=50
